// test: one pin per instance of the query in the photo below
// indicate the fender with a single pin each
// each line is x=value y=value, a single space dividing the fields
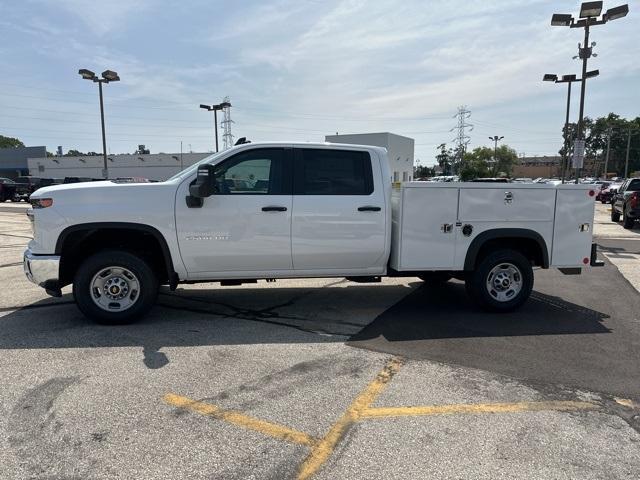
x=140 y=227
x=503 y=233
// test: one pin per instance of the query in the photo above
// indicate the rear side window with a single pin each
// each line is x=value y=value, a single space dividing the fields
x=634 y=185
x=333 y=172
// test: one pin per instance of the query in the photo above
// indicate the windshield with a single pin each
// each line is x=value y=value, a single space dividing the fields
x=192 y=168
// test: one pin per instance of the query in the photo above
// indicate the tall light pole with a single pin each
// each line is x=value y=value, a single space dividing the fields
x=495 y=140
x=568 y=79
x=107 y=76
x=215 y=109
x=589 y=13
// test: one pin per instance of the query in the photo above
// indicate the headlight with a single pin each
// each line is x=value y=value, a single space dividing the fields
x=41 y=202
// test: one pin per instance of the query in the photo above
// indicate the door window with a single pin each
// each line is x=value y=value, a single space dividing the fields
x=333 y=172
x=255 y=172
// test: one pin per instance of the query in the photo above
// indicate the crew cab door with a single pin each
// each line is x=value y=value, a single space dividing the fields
x=245 y=227
x=339 y=212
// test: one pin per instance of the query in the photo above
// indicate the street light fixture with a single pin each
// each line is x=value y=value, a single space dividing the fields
x=589 y=13
x=215 y=109
x=107 y=76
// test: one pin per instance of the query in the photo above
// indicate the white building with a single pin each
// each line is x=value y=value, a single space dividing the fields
x=154 y=166
x=400 y=150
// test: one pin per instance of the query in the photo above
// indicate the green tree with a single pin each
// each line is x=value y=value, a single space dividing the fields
x=596 y=132
x=480 y=162
x=10 y=142
x=74 y=153
x=445 y=158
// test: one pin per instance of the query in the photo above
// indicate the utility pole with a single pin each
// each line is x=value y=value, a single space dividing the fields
x=606 y=159
x=626 y=163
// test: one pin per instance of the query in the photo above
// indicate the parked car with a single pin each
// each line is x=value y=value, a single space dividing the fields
x=606 y=194
x=491 y=180
x=626 y=203
x=7 y=189
x=76 y=180
x=25 y=186
x=322 y=210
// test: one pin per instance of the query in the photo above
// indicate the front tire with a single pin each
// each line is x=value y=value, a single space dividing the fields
x=114 y=287
x=627 y=222
x=615 y=216
x=502 y=281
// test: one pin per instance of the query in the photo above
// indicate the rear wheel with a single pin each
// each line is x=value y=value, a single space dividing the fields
x=115 y=287
x=502 y=281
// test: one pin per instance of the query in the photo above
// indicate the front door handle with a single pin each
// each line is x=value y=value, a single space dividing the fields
x=369 y=208
x=274 y=208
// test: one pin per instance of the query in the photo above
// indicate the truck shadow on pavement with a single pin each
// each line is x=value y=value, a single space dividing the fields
x=293 y=315
x=444 y=311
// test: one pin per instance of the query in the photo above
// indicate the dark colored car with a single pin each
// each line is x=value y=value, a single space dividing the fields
x=7 y=189
x=77 y=179
x=626 y=203
x=25 y=186
x=491 y=180
x=606 y=194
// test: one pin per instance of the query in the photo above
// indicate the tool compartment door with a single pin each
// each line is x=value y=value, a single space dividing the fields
x=426 y=239
x=573 y=227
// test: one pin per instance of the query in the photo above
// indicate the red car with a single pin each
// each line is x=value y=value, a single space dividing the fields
x=606 y=194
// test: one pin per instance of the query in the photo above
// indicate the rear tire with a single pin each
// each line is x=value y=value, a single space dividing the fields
x=502 y=281
x=615 y=216
x=115 y=287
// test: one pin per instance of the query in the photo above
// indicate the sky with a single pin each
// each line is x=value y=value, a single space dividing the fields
x=302 y=69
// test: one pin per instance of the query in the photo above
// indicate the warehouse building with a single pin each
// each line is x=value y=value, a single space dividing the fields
x=400 y=150
x=14 y=160
x=154 y=166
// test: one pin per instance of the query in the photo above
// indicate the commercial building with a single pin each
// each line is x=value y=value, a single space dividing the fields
x=400 y=150
x=13 y=161
x=534 y=167
x=154 y=166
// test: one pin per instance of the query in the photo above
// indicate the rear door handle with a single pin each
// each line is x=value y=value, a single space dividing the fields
x=274 y=208
x=369 y=208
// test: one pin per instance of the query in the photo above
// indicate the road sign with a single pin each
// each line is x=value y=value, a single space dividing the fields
x=577 y=159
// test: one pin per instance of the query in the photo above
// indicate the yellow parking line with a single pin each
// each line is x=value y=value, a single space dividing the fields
x=323 y=449
x=384 y=412
x=266 y=428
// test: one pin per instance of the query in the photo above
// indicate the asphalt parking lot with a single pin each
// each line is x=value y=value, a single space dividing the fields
x=326 y=379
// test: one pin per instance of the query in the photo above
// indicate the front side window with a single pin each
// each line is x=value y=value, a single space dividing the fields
x=333 y=172
x=252 y=172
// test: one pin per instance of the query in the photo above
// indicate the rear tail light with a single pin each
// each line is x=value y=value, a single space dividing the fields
x=41 y=202
x=634 y=200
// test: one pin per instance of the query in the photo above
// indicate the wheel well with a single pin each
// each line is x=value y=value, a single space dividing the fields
x=529 y=247
x=79 y=243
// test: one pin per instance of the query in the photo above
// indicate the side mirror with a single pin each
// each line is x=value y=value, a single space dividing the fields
x=205 y=183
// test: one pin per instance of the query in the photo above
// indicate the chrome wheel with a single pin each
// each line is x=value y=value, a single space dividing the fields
x=114 y=289
x=504 y=282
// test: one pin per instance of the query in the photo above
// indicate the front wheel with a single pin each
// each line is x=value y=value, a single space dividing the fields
x=502 y=281
x=627 y=222
x=115 y=287
x=615 y=216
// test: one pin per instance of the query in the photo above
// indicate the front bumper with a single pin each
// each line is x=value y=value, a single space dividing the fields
x=43 y=270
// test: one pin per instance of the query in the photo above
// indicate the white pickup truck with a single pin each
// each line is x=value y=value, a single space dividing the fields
x=297 y=210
